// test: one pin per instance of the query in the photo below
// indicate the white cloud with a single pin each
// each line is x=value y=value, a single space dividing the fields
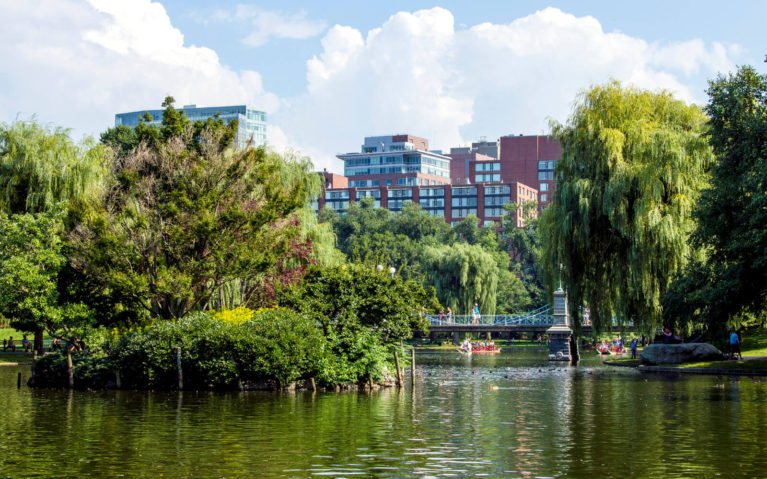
x=269 y=24
x=416 y=74
x=78 y=63
x=399 y=79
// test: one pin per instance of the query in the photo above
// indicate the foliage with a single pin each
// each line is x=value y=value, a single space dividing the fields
x=178 y=223
x=275 y=345
x=409 y=241
x=238 y=315
x=30 y=261
x=363 y=312
x=124 y=140
x=41 y=167
x=462 y=275
x=729 y=284
x=632 y=168
x=524 y=246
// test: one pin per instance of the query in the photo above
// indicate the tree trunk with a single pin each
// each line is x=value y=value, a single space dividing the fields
x=575 y=355
x=39 y=342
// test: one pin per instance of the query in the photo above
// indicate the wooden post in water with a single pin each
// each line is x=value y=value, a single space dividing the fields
x=399 y=371
x=370 y=381
x=178 y=366
x=118 y=380
x=34 y=363
x=313 y=384
x=18 y=381
x=70 y=372
x=412 y=366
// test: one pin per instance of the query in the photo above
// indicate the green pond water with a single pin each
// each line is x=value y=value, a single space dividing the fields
x=510 y=415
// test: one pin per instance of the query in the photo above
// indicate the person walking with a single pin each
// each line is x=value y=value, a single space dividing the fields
x=441 y=316
x=634 y=348
x=734 y=345
x=475 y=314
x=449 y=315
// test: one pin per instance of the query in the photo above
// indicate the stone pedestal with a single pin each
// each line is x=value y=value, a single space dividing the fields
x=559 y=333
x=559 y=345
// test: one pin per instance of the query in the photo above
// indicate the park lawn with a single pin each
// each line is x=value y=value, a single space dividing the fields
x=8 y=332
x=747 y=364
x=15 y=358
x=755 y=342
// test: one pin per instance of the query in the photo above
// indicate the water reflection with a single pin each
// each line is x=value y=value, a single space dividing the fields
x=510 y=415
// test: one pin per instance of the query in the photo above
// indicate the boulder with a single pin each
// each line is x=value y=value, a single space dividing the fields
x=680 y=353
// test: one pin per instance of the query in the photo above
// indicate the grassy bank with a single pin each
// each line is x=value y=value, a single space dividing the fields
x=15 y=358
x=754 y=342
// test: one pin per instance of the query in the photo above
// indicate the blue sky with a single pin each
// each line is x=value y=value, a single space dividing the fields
x=742 y=22
x=329 y=73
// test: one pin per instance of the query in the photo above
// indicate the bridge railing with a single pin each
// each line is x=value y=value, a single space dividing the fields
x=539 y=317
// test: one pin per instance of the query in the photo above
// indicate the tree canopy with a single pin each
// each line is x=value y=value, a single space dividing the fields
x=41 y=167
x=729 y=284
x=466 y=263
x=31 y=260
x=632 y=167
x=175 y=224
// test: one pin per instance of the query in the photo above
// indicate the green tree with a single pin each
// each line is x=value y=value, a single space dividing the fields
x=41 y=167
x=30 y=261
x=462 y=275
x=729 y=284
x=524 y=246
x=364 y=312
x=176 y=224
x=632 y=167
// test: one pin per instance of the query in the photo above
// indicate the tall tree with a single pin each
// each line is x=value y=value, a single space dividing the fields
x=30 y=262
x=524 y=246
x=462 y=275
x=632 y=167
x=177 y=223
x=41 y=167
x=730 y=283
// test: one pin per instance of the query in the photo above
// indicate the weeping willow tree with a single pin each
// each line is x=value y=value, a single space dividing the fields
x=632 y=167
x=462 y=274
x=41 y=167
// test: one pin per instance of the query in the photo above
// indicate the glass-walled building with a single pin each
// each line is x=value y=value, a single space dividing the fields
x=395 y=160
x=251 y=123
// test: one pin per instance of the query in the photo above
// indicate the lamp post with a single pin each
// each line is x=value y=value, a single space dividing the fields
x=392 y=270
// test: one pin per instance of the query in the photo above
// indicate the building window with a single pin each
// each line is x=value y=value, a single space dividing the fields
x=464 y=201
x=465 y=191
x=464 y=212
x=546 y=170
x=406 y=193
x=488 y=178
x=387 y=182
x=432 y=192
x=545 y=197
x=337 y=195
x=487 y=166
x=498 y=190
x=544 y=187
x=429 y=203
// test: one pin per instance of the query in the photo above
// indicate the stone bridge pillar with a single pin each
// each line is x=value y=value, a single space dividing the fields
x=560 y=332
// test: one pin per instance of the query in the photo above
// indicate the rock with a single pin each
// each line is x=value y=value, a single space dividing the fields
x=679 y=353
